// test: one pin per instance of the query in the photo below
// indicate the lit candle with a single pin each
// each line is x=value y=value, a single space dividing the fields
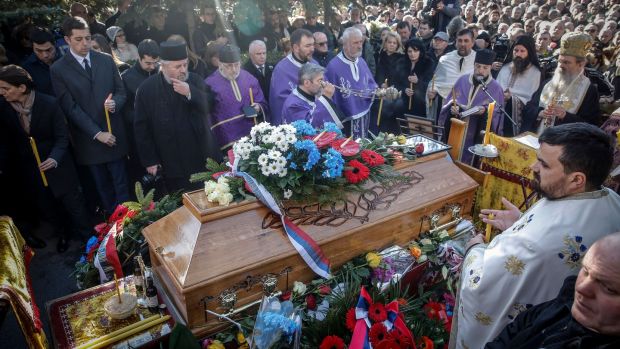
x=35 y=151
x=487 y=133
x=410 y=97
x=107 y=115
x=118 y=289
x=489 y=228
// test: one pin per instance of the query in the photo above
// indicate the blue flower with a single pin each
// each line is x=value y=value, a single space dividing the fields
x=311 y=151
x=304 y=128
x=331 y=127
x=333 y=163
x=92 y=241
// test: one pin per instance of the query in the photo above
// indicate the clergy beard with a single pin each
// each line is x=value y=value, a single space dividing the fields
x=230 y=75
x=562 y=79
x=551 y=191
x=519 y=65
x=182 y=77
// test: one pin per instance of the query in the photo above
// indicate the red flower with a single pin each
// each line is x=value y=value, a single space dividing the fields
x=378 y=333
x=351 y=320
x=311 y=302
x=372 y=158
x=387 y=344
x=325 y=289
x=350 y=148
x=119 y=213
x=332 y=342
x=286 y=295
x=403 y=341
x=377 y=312
x=435 y=310
x=426 y=343
x=357 y=172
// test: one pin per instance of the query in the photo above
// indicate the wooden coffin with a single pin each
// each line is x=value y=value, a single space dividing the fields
x=202 y=253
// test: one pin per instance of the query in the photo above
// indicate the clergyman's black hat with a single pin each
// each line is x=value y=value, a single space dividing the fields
x=173 y=51
x=485 y=56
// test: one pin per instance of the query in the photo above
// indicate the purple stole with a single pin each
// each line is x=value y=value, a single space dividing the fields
x=283 y=81
x=317 y=112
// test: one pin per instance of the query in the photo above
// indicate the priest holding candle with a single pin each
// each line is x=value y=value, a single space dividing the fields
x=472 y=103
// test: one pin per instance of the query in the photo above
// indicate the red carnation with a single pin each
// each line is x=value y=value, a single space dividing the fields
x=401 y=339
x=351 y=319
x=119 y=213
x=426 y=343
x=325 y=289
x=311 y=302
x=377 y=312
x=332 y=342
x=387 y=344
x=372 y=158
x=378 y=333
x=286 y=295
x=357 y=172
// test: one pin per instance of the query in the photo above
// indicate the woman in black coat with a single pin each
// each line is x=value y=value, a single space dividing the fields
x=418 y=72
x=26 y=114
x=390 y=66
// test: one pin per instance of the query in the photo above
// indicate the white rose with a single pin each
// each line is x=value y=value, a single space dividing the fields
x=213 y=196
x=210 y=187
x=299 y=288
x=222 y=188
x=426 y=242
x=225 y=199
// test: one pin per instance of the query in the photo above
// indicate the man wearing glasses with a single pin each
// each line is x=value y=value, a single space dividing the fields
x=322 y=54
x=44 y=54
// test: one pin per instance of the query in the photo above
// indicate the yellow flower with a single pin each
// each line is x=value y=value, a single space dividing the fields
x=373 y=259
x=415 y=251
x=216 y=345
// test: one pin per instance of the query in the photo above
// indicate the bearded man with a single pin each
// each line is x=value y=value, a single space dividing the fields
x=233 y=89
x=526 y=264
x=349 y=71
x=569 y=96
x=519 y=79
x=469 y=90
x=285 y=74
x=170 y=120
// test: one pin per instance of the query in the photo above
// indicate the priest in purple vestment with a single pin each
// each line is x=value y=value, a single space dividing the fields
x=356 y=86
x=311 y=99
x=469 y=90
x=233 y=90
x=286 y=73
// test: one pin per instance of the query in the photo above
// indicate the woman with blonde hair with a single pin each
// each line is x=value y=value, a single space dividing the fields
x=196 y=64
x=391 y=63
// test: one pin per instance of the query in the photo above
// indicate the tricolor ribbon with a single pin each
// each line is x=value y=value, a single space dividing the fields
x=360 y=340
x=307 y=248
x=396 y=322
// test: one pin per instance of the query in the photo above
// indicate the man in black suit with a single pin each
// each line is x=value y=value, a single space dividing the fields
x=44 y=54
x=26 y=114
x=87 y=83
x=257 y=65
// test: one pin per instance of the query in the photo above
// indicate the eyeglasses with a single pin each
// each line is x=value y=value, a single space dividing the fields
x=322 y=43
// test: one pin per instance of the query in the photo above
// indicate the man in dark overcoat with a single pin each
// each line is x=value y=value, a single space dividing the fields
x=87 y=83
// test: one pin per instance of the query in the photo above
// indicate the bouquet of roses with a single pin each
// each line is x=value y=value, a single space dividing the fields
x=301 y=163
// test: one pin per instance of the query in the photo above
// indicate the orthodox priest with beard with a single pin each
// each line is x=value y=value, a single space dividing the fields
x=569 y=96
x=233 y=89
x=470 y=94
x=519 y=79
x=170 y=121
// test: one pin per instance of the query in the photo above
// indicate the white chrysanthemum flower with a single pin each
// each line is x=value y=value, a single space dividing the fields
x=225 y=199
x=210 y=187
x=281 y=161
x=290 y=138
x=287 y=194
x=274 y=154
x=287 y=129
x=263 y=159
x=265 y=170
x=222 y=188
x=282 y=172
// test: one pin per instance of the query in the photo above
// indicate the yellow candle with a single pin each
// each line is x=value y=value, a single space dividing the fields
x=118 y=290
x=345 y=142
x=489 y=228
x=35 y=151
x=125 y=332
x=252 y=102
x=380 y=107
x=618 y=136
x=319 y=136
x=487 y=133
x=410 y=97
x=107 y=119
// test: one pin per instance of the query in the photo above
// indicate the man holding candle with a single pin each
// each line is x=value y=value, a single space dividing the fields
x=470 y=94
x=233 y=89
x=43 y=167
x=526 y=264
x=91 y=94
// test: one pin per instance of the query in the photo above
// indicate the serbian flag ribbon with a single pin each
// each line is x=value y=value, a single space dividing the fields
x=360 y=340
x=307 y=248
x=396 y=322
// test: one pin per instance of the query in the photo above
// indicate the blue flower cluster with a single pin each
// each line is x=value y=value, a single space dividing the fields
x=312 y=151
x=331 y=127
x=91 y=242
x=334 y=164
x=270 y=326
x=303 y=128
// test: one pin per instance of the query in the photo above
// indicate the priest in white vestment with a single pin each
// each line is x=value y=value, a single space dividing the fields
x=450 y=68
x=519 y=79
x=526 y=264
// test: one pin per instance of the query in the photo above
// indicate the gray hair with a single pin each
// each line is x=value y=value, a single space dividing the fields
x=349 y=32
x=309 y=71
x=257 y=43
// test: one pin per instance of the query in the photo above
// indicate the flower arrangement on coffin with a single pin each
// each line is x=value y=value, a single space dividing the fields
x=300 y=163
x=120 y=237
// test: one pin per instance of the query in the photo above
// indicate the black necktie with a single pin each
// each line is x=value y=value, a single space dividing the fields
x=461 y=63
x=262 y=70
x=87 y=67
